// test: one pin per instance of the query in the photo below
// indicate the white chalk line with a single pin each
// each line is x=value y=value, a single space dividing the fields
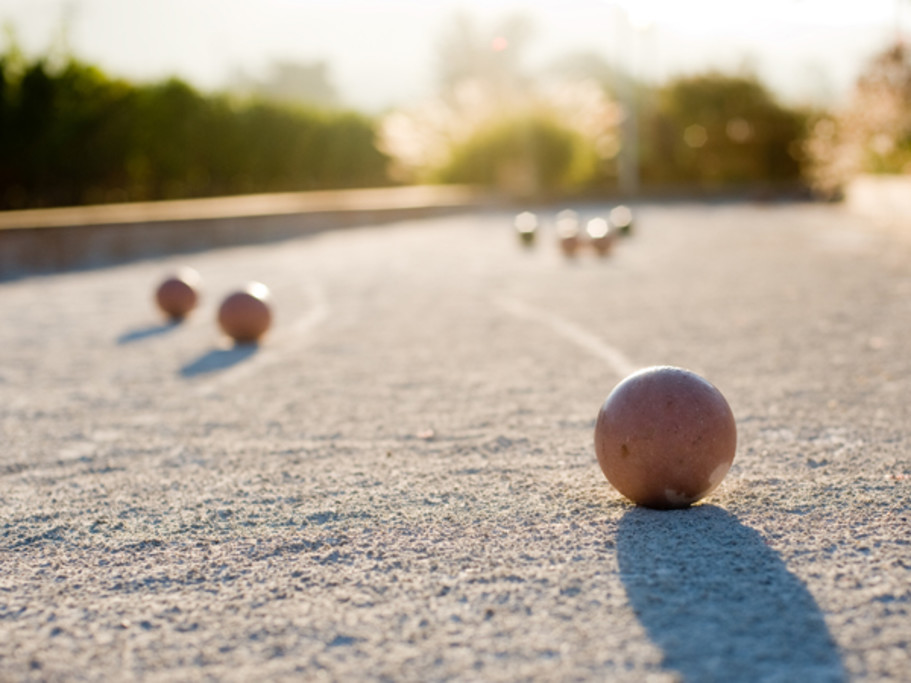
x=273 y=347
x=570 y=331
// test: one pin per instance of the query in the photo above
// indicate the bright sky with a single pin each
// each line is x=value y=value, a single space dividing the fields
x=381 y=52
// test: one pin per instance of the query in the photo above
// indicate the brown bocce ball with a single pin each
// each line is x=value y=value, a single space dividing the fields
x=568 y=235
x=600 y=236
x=245 y=315
x=665 y=437
x=179 y=294
x=569 y=245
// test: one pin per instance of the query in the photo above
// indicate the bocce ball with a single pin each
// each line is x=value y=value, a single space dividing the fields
x=568 y=232
x=600 y=236
x=665 y=437
x=621 y=219
x=526 y=227
x=246 y=315
x=178 y=294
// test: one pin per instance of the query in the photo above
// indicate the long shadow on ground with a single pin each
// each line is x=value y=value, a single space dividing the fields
x=218 y=359
x=719 y=602
x=140 y=333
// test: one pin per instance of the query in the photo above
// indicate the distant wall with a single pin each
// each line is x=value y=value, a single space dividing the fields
x=55 y=240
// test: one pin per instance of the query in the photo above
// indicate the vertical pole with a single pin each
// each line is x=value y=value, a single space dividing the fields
x=628 y=170
x=628 y=167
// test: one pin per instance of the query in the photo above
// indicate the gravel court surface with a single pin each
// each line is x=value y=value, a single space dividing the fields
x=399 y=483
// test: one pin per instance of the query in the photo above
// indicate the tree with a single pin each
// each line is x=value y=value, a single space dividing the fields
x=715 y=130
x=872 y=134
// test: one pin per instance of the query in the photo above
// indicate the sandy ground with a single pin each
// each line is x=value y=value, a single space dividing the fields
x=399 y=483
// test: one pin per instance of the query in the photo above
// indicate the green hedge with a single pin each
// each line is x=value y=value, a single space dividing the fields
x=524 y=155
x=712 y=132
x=73 y=135
x=715 y=131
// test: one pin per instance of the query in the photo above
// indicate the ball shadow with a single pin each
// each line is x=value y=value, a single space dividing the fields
x=140 y=333
x=718 y=602
x=218 y=359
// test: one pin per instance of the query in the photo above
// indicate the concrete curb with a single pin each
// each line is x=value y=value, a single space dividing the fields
x=52 y=240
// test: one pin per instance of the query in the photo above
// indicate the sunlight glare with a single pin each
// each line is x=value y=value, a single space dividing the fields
x=499 y=44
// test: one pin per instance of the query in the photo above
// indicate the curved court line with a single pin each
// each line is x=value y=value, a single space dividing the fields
x=570 y=331
x=315 y=315
x=273 y=349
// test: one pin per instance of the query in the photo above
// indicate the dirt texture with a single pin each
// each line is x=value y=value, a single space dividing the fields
x=399 y=483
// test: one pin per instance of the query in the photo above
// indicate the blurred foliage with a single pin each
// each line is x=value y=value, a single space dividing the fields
x=524 y=156
x=567 y=130
x=715 y=131
x=495 y=123
x=711 y=133
x=543 y=141
x=70 y=135
x=872 y=134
